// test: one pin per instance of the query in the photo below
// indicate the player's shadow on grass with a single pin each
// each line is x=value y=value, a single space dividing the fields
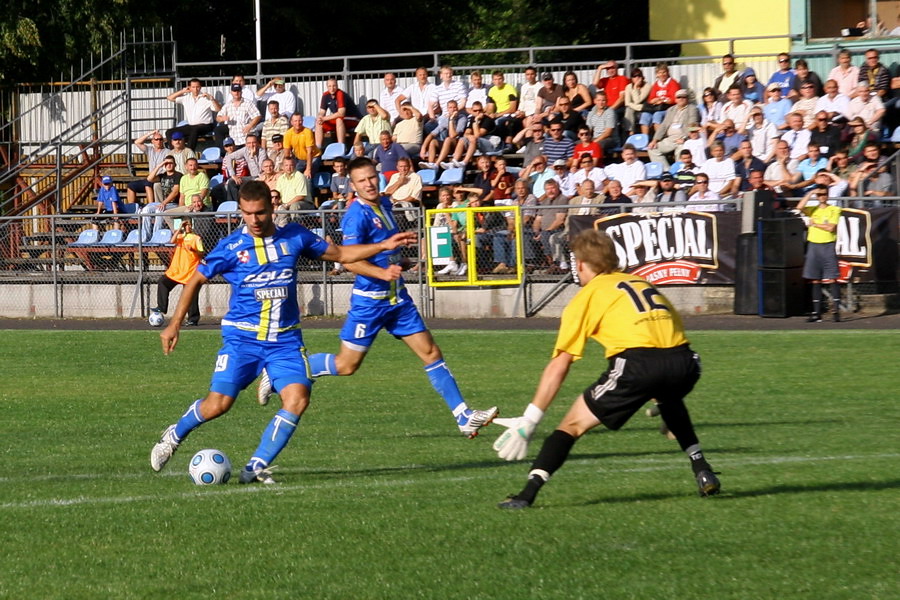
x=735 y=494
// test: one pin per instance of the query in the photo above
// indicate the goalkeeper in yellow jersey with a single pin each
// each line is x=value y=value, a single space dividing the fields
x=649 y=357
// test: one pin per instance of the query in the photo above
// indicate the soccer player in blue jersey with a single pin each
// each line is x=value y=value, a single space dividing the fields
x=262 y=326
x=380 y=301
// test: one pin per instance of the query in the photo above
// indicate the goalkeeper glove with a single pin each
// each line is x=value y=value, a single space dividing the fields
x=513 y=443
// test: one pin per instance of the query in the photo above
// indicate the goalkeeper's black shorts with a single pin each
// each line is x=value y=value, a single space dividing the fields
x=638 y=375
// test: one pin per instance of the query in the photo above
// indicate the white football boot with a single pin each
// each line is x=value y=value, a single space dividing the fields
x=476 y=420
x=164 y=449
x=264 y=391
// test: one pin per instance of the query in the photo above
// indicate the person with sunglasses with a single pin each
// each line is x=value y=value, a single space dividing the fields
x=784 y=76
x=730 y=76
x=155 y=153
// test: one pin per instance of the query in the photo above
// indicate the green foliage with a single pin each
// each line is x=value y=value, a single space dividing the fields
x=380 y=497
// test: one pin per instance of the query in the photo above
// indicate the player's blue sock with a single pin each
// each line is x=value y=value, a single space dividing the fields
x=189 y=421
x=274 y=439
x=444 y=383
x=321 y=365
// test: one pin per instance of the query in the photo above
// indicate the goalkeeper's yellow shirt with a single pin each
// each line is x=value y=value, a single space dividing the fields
x=619 y=311
x=822 y=214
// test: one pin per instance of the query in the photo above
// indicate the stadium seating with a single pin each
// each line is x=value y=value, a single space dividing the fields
x=216 y=180
x=333 y=151
x=654 y=170
x=86 y=238
x=212 y=154
x=227 y=207
x=638 y=140
x=451 y=176
x=309 y=121
x=134 y=238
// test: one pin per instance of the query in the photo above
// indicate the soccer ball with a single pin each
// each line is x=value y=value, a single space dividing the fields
x=156 y=319
x=210 y=467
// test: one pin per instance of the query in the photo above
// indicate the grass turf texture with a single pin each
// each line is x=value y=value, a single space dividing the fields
x=380 y=497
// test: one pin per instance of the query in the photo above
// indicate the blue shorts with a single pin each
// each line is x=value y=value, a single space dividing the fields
x=367 y=317
x=241 y=359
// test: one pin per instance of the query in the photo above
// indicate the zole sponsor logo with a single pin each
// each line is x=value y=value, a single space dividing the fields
x=664 y=248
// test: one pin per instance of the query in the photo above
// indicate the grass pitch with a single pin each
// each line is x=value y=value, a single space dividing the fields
x=380 y=497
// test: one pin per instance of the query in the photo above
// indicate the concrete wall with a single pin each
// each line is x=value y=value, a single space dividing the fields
x=124 y=300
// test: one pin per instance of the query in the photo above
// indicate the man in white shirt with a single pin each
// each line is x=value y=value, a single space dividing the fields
x=797 y=137
x=528 y=97
x=845 y=74
x=237 y=118
x=737 y=109
x=833 y=102
x=287 y=102
x=629 y=170
x=762 y=135
x=587 y=170
x=199 y=111
x=477 y=91
x=421 y=94
x=720 y=171
x=867 y=106
x=389 y=95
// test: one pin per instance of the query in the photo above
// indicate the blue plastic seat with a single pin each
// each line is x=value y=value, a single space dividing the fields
x=216 y=180
x=676 y=167
x=428 y=176
x=135 y=237
x=160 y=237
x=382 y=183
x=638 y=140
x=322 y=180
x=654 y=170
x=111 y=238
x=309 y=121
x=227 y=207
x=86 y=238
x=333 y=151
x=452 y=176
x=212 y=154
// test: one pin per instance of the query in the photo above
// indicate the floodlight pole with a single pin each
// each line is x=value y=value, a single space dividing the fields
x=256 y=21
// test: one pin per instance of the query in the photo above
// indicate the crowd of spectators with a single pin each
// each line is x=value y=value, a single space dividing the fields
x=737 y=134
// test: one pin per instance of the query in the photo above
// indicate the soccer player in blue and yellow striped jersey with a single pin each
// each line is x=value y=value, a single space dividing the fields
x=262 y=326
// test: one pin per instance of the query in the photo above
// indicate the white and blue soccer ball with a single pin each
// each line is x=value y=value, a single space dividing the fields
x=210 y=467
x=156 y=318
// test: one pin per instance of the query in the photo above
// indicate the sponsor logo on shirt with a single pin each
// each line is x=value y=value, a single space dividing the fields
x=270 y=293
x=243 y=256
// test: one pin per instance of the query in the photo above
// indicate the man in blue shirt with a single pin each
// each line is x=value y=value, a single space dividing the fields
x=262 y=326
x=108 y=200
x=784 y=76
x=380 y=301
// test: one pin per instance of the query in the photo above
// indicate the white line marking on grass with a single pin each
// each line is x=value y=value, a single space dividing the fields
x=580 y=464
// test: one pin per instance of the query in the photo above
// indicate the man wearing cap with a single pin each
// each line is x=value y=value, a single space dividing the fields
x=108 y=200
x=667 y=192
x=276 y=124
x=338 y=114
x=728 y=78
x=673 y=130
x=237 y=118
x=199 y=112
x=275 y=90
x=563 y=177
x=776 y=108
x=549 y=93
x=276 y=150
x=242 y=165
x=180 y=152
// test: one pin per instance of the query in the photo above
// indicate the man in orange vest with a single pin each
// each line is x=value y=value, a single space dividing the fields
x=188 y=253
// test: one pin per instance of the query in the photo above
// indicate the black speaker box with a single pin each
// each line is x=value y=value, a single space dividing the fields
x=781 y=292
x=746 y=279
x=781 y=243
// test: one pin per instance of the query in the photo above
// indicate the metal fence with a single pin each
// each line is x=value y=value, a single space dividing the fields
x=49 y=269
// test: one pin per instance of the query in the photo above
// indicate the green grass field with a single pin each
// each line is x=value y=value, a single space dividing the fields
x=380 y=497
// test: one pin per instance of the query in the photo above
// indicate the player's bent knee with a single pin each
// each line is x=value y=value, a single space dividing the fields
x=295 y=398
x=215 y=405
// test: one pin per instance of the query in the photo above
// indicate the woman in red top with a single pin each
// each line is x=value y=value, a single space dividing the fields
x=662 y=94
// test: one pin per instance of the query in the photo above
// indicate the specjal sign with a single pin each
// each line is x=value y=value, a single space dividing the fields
x=700 y=248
